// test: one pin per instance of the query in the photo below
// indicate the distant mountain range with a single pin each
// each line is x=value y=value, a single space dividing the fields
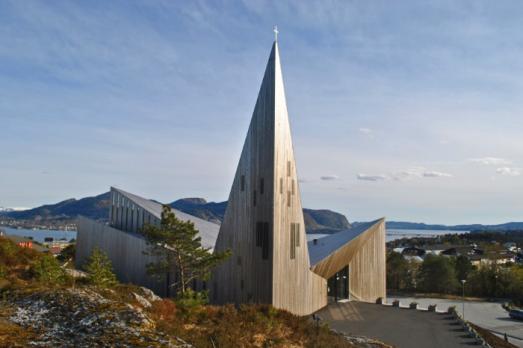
x=509 y=226
x=93 y=207
x=316 y=221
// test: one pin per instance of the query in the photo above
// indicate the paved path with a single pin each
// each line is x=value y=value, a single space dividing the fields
x=488 y=315
x=403 y=328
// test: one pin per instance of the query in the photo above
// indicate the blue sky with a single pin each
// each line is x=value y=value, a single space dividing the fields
x=410 y=110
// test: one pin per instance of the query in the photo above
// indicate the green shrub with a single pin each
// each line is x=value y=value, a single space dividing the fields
x=46 y=269
x=191 y=302
x=100 y=270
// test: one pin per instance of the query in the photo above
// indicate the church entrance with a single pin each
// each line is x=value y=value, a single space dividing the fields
x=338 y=285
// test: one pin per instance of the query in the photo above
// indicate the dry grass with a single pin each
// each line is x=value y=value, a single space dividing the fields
x=245 y=326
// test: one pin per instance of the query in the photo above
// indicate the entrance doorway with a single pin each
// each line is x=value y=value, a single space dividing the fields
x=338 y=285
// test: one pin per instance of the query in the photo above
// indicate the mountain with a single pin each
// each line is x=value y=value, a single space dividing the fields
x=324 y=221
x=199 y=207
x=316 y=221
x=93 y=207
x=401 y=225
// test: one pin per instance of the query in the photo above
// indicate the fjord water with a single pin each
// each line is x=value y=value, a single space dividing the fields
x=393 y=234
x=39 y=235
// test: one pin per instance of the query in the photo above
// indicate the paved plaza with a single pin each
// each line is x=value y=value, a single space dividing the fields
x=400 y=327
x=488 y=315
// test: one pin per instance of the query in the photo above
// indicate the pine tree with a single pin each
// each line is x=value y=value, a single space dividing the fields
x=178 y=249
x=100 y=270
x=47 y=269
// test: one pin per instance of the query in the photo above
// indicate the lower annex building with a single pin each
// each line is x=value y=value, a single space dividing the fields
x=263 y=226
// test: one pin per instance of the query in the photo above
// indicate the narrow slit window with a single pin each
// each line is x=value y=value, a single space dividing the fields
x=262 y=186
x=292 y=242
x=281 y=185
x=254 y=198
x=297 y=232
x=288 y=198
x=292 y=187
x=259 y=227
x=242 y=183
x=288 y=168
x=265 y=241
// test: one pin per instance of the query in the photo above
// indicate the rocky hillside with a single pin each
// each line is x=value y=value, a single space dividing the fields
x=41 y=305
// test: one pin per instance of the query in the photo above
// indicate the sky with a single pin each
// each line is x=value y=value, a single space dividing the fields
x=411 y=110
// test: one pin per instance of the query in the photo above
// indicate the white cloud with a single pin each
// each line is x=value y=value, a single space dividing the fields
x=434 y=174
x=407 y=174
x=367 y=177
x=366 y=131
x=509 y=171
x=418 y=172
x=329 y=177
x=490 y=161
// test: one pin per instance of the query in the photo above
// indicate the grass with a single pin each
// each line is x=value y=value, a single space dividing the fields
x=243 y=326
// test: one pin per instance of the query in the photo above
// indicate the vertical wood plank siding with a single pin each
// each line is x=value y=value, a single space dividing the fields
x=125 y=250
x=283 y=278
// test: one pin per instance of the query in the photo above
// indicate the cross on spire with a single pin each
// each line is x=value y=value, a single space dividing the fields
x=275 y=29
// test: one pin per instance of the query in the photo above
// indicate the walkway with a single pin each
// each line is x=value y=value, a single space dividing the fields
x=403 y=328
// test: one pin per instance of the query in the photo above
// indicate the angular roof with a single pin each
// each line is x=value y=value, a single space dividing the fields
x=208 y=231
x=327 y=246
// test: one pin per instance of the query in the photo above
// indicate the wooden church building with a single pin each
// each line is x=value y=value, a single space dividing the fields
x=263 y=226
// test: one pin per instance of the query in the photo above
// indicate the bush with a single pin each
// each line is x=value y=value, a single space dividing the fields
x=100 y=270
x=46 y=269
x=191 y=302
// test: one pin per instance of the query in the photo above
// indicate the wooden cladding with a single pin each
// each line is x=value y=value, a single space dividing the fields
x=295 y=239
x=262 y=238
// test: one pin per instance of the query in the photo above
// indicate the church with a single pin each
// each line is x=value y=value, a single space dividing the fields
x=272 y=262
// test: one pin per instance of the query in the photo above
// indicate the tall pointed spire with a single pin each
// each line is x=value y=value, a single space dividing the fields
x=263 y=224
